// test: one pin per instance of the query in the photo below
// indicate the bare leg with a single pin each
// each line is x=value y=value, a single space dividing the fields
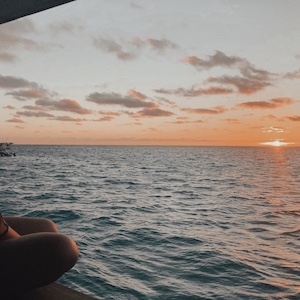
x=24 y=225
x=34 y=259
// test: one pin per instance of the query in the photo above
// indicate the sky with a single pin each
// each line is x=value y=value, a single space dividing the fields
x=159 y=72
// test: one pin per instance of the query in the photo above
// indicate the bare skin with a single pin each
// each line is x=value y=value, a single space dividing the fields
x=33 y=254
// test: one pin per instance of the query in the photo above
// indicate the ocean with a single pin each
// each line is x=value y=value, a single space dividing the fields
x=167 y=222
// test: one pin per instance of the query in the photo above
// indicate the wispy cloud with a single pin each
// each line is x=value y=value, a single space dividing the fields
x=294 y=118
x=9 y=107
x=274 y=129
x=109 y=113
x=66 y=119
x=63 y=105
x=32 y=93
x=15 y=120
x=271 y=117
x=110 y=46
x=22 y=89
x=232 y=121
x=161 y=44
x=202 y=111
x=134 y=99
x=270 y=104
x=196 y=92
x=250 y=79
x=219 y=59
x=185 y=120
x=244 y=85
x=104 y=119
x=8 y=57
x=12 y=82
x=35 y=114
x=293 y=75
x=153 y=112
x=12 y=35
x=130 y=50
x=107 y=116
x=65 y=27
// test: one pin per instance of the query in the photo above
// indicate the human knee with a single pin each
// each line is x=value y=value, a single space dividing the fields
x=64 y=251
x=47 y=225
x=69 y=249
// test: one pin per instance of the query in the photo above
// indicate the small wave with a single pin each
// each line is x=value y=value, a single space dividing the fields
x=116 y=181
x=55 y=215
x=292 y=231
x=41 y=197
x=106 y=221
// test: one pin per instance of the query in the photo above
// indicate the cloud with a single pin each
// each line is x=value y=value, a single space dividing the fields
x=196 y=92
x=107 y=116
x=153 y=112
x=161 y=45
x=293 y=75
x=109 y=113
x=134 y=99
x=294 y=118
x=271 y=117
x=15 y=120
x=7 y=57
x=184 y=120
x=163 y=100
x=12 y=35
x=20 y=26
x=28 y=89
x=33 y=93
x=274 y=129
x=137 y=95
x=34 y=107
x=11 y=82
x=219 y=59
x=9 y=107
x=104 y=119
x=66 y=119
x=65 y=27
x=271 y=104
x=131 y=50
x=243 y=85
x=36 y=114
x=110 y=46
x=249 y=81
x=63 y=105
x=201 y=111
x=232 y=121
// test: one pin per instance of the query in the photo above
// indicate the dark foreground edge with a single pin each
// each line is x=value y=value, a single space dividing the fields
x=55 y=291
x=13 y=9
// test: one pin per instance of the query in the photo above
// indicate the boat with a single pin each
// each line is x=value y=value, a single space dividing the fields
x=5 y=149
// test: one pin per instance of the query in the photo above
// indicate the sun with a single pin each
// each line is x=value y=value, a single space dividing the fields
x=276 y=143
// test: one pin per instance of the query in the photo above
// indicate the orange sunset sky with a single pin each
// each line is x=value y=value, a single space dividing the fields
x=159 y=72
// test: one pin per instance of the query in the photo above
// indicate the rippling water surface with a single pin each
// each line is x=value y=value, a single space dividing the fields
x=167 y=222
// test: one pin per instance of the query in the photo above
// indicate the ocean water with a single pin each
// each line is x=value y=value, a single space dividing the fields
x=167 y=222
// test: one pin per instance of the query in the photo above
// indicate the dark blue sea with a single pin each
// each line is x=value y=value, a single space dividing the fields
x=167 y=222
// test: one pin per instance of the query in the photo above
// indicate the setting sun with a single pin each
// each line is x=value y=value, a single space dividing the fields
x=276 y=143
